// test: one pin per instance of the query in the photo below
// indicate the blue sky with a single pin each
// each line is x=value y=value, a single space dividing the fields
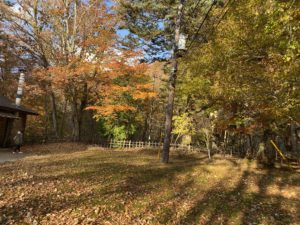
x=122 y=32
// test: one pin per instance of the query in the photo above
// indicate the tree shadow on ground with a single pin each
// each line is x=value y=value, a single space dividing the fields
x=238 y=206
x=116 y=180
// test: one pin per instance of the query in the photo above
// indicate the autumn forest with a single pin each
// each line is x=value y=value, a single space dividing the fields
x=174 y=91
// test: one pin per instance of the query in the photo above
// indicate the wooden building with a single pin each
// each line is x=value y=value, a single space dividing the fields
x=12 y=119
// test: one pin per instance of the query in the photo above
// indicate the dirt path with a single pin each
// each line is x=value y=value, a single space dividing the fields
x=7 y=155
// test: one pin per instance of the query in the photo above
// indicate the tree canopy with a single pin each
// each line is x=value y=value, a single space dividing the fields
x=100 y=70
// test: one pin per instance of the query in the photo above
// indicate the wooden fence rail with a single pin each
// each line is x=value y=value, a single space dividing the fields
x=128 y=144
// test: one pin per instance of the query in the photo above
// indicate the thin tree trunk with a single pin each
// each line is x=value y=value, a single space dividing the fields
x=54 y=114
x=251 y=146
x=209 y=144
x=226 y=134
x=83 y=104
x=171 y=88
x=178 y=136
x=75 y=121
x=47 y=118
x=61 y=131
x=77 y=113
x=248 y=145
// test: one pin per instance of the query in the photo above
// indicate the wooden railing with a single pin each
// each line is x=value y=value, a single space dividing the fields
x=128 y=144
x=116 y=144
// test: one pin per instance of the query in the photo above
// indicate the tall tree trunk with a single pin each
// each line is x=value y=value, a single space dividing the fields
x=47 y=118
x=52 y=99
x=83 y=104
x=75 y=121
x=171 y=88
x=61 y=131
x=77 y=112
x=226 y=135
x=248 y=145
x=54 y=114
x=209 y=143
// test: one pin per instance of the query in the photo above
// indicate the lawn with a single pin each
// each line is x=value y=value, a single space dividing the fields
x=76 y=184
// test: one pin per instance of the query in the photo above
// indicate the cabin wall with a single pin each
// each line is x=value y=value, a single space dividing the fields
x=6 y=125
x=12 y=120
x=10 y=127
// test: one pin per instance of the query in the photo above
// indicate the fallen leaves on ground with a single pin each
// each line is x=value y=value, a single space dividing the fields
x=76 y=184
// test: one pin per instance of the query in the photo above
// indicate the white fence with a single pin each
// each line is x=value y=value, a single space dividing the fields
x=128 y=144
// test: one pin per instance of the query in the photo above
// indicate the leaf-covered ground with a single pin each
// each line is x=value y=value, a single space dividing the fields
x=73 y=184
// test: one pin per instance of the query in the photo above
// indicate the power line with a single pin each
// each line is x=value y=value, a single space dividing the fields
x=214 y=27
x=197 y=4
x=226 y=9
x=202 y=23
x=222 y=16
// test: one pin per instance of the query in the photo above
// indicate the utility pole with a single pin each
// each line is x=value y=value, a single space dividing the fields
x=171 y=86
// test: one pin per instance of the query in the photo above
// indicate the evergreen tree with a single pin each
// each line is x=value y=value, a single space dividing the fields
x=159 y=26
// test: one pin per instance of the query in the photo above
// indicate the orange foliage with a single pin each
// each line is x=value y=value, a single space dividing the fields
x=92 y=59
x=144 y=95
x=110 y=109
